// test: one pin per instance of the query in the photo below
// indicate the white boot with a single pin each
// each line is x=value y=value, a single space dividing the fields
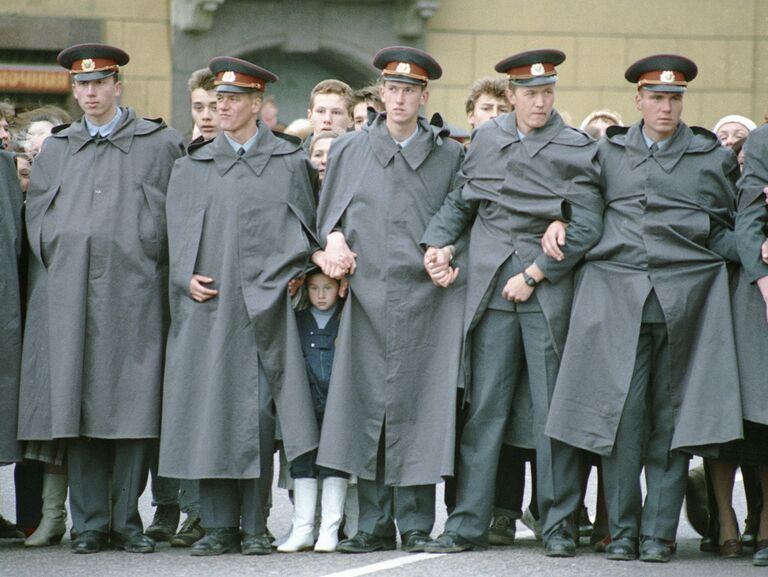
x=334 y=493
x=54 y=522
x=304 y=504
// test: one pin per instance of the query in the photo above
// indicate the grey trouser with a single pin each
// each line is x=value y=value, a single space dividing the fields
x=244 y=502
x=167 y=491
x=185 y=492
x=381 y=505
x=644 y=438
x=89 y=463
x=502 y=344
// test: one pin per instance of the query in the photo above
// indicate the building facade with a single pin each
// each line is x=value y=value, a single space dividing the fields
x=305 y=41
x=601 y=38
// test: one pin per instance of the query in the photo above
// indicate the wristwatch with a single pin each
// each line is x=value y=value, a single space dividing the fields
x=529 y=280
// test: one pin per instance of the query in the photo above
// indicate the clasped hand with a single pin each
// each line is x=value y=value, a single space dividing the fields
x=554 y=239
x=437 y=263
x=337 y=260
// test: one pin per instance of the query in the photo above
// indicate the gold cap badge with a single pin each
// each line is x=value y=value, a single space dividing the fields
x=537 y=69
x=667 y=76
x=88 y=64
x=228 y=76
x=403 y=68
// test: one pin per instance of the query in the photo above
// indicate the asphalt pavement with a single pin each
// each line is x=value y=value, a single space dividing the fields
x=523 y=559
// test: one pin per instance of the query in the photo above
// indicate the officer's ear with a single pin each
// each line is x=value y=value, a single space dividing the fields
x=257 y=98
x=512 y=95
x=638 y=98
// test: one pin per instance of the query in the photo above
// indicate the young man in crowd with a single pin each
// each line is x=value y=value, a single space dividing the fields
x=487 y=99
x=363 y=99
x=330 y=107
x=202 y=100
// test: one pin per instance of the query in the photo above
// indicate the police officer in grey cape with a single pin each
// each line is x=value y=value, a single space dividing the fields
x=751 y=314
x=97 y=314
x=391 y=402
x=524 y=171
x=649 y=369
x=10 y=315
x=240 y=220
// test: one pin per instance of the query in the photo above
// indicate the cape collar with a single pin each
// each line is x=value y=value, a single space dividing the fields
x=120 y=137
x=536 y=139
x=667 y=157
x=257 y=156
x=385 y=148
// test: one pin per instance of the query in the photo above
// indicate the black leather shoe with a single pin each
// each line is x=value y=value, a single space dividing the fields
x=655 y=550
x=164 y=523
x=414 y=541
x=451 y=542
x=560 y=544
x=89 y=542
x=217 y=541
x=364 y=542
x=133 y=543
x=8 y=530
x=256 y=544
x=503 y=527
x=621 y=549
x=190 y=533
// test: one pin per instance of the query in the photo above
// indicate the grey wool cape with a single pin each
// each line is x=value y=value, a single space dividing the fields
x=748 y=305
x=514 y=189
x=247 y=223
x=398 y=351
x=97 y=314
x=10 y=313
x=668 y=226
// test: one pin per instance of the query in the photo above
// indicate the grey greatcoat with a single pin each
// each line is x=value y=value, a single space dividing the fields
x=97 y=308
x=510 y=223
x=247 y=223
x=519 y=186
x=10 y=312
x=398 y=351
x=748 y=306
x=667 y=228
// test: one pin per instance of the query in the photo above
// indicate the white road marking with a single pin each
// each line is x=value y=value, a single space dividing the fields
x=384 y=565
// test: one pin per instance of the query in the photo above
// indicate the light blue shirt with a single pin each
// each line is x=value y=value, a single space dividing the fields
x=245 y=145
x=105 y=129
x=408 y=140
x=649 y=141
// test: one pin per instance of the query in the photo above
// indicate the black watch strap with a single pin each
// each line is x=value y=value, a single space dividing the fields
x=529 y=280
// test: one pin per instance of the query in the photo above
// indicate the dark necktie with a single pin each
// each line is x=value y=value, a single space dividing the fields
x=654 y=148
x=241 y=151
